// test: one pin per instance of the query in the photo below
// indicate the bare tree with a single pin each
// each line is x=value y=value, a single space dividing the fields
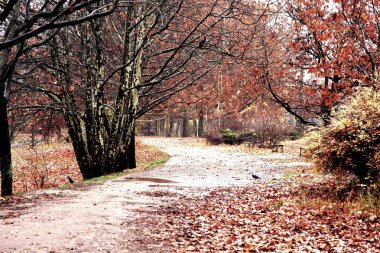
x=105 y=74
x=25 y=25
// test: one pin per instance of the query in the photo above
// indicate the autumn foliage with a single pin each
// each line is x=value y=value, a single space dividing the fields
x=339 y=39
x=351 y=143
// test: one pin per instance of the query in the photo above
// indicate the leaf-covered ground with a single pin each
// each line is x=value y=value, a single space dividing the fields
x=265 y=217
x=49 y=165
x=297 y=212
x=204 y=199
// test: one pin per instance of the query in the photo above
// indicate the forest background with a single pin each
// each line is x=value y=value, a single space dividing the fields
x=106 y=71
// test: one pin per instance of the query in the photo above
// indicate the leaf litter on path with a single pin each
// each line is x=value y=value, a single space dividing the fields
x=204 y=199
x=262 y=218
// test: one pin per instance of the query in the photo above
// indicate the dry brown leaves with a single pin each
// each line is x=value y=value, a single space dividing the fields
x=49 y=165
x=262 y=218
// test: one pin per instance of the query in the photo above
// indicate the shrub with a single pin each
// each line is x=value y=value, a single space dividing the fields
x=269 y=133
x=246 y=137
x=268 y=122
x=295 y=135
x=214 y=139
x=230 y=137
x=350 y=145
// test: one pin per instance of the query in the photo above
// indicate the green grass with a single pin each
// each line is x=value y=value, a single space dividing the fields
x=104 y=178
x=289 y=175
x=154 y=164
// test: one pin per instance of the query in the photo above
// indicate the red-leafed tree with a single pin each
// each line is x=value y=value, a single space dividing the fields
x=337 y=43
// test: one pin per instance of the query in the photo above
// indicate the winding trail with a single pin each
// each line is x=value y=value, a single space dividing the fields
x=103 y=217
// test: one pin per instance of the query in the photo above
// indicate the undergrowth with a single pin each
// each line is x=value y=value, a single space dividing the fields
x=313 y=188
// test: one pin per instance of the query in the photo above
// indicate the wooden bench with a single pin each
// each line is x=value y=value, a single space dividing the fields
x=278 y=148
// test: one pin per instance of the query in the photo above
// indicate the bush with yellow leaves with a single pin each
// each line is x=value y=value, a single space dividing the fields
x=350 y=145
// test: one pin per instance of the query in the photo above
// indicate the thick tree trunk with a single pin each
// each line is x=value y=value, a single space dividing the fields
x=5 y=140
x=131 y=154
x=5 y=148
x=7 y=63
x=6 y=72
x=87 y=161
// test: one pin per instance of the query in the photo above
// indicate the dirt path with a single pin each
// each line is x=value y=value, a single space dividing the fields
x=102 y=218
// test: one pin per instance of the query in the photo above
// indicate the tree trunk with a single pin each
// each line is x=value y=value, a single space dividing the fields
x=156 y=127
x=185 y=126
x=201 y=126
x=177 y=129
x=131 y=153
x=163 y=129
x=325 y=107
x=5 y=148
x=166 y=125
x=171 y=126
x=195 y=128
x=149 y=128
x=6 y=72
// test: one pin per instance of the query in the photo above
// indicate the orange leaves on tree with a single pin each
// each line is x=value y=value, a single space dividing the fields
x=309 y=90
x=71 y=88
x=122 y=15
x=343 y=29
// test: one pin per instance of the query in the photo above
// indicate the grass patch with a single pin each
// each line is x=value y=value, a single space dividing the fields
x=153 y=164
x=104 y=178
x=287 y=175
x=367 y=200
x=318 y=189
x=310 y=187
